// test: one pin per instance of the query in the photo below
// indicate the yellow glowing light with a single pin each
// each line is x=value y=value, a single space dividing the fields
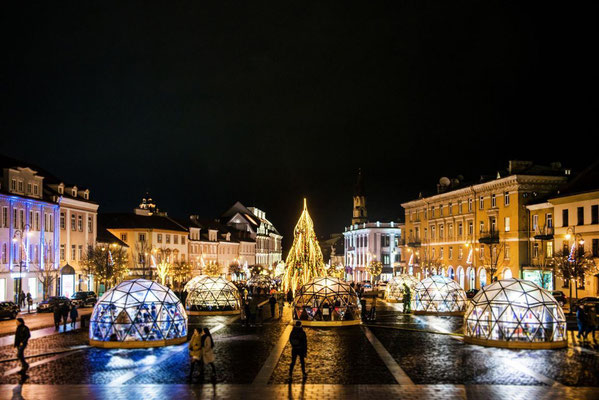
x=304 y=261
x=568 y=236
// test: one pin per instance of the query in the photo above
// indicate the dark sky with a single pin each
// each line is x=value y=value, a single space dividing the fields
x=204 y=104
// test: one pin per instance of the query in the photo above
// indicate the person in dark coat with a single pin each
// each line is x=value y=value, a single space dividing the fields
x=299 y=347
x=272 y=301
x=64 y=311
x=22 y=336
x=581 y=319
x=73 y=314
x=57 y=317
x=289 y=297
x=29 y=302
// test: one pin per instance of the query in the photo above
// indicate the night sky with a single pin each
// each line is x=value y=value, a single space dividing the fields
x=205 y=104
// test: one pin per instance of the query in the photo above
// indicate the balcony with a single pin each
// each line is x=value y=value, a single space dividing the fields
x=543 y=233
x=489 y=237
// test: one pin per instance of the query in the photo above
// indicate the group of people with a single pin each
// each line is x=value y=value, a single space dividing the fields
x=588 y=322
x=62 y=312
x=25 y=299
x=201 y=352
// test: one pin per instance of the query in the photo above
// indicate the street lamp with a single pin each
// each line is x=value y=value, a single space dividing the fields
x=18 y=236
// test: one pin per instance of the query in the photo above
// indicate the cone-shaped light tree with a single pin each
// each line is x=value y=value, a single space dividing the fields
x=304 y=261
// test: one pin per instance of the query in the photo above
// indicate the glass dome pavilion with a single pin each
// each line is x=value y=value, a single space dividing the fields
x=327 y=301
x=212 y=295
x=439 y=295
x=138 y=313
x=261 y=281
x=515 y=313
x=395 y=287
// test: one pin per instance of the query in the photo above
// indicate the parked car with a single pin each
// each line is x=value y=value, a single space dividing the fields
x=588 y=301
x=84 y=299
x=366 y=285
x=8 y=309
x=48 y=304
x=471 y=293
x=560 y=297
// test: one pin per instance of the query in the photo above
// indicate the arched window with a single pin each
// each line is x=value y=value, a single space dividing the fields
x=471 y=278
x=482 y=277
x=461 y=277
x=450 y=273
x=507 y=273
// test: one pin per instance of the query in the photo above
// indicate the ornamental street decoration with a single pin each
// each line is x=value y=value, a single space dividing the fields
x=327 y=299
x=515 y=310
x=395 y=288
x=439 y=294
x=304 y=261
x=211 y=293
x=138 y=310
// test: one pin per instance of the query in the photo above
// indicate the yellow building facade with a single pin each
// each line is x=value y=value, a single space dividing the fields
x=469 y=233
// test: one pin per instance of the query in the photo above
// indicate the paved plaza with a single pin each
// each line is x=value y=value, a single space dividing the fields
x=403 y=356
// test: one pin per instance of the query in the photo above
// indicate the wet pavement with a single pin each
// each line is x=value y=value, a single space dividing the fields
x=338 y=358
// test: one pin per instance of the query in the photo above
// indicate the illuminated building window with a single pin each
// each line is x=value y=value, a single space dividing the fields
x=506 y=198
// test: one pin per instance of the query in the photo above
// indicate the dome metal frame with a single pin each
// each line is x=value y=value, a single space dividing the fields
x=395 y=289
x=212 y=295
x=515 y=313
x=138 y=313
x=261 y=281
x=327 y=301
x=439 y=295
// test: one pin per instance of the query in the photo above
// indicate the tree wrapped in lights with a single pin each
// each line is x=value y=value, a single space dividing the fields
x=304 y=261
x=162 y=270
x=374 y=268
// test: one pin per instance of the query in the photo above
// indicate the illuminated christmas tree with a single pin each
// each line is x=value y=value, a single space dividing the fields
x=304 y=261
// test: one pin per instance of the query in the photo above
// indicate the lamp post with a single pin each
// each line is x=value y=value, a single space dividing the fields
x=18 y=237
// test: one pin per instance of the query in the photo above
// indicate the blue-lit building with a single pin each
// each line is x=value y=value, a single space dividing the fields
x=29 y=234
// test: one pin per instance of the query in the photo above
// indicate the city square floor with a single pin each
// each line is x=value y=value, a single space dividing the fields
x=403 y=356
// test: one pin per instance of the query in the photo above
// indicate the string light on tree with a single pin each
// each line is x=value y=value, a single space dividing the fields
x=304 y=261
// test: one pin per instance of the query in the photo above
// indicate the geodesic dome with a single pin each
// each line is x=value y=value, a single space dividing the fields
x=327 y=299
x=138 y=313
x=395 y=287
x=439 y=294
x=262 y=281
x=212 y=293
x=515 y=310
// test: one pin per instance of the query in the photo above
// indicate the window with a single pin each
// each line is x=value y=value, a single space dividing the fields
x=80 y=248
x=175 y=239
x=580 y=212
x=549 y=249
x=29 y=188
x=168 y=238
x=159 y=238
x=450 y=252
x=441 y=210
x=62 y=221
x=22 y=218
x=124 y=237
x=35 y=189
x=459 y=206
x=535 y=250
x=73 y=222
x=90 y=224
x=481 y=226
x=460 y=253
x=492 y=224
x=62 y=252
x=37 y=221
x=182 y=239
x=549 y=219
x=469 y=204
x=535 y=222
x=481 y=202
x=460 y=230
x=433 y=232
x=141 y=237
x=595 y=248
x=441 y=233
x=15 y=218
x=507 y=224
x=73 y=252
x=21 y=186
x=441 y=252
x=13 y=184
x=450 y=209
x=565 y=221
x=5 y=217
x=470 y=228
x=4 y=253
x=493 y=201
x=80 y=223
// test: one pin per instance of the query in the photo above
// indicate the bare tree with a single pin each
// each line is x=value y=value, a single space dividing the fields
x=47 y=272
x=142 y=258
x=180 y=271
x=573 y=266
x=108 y=263
x=493 y=257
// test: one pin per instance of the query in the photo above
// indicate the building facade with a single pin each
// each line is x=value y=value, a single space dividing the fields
x=471 y=231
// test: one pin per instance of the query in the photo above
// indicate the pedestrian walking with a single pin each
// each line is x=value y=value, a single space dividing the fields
x=73 y=314
x=592 y=322
x=289 y=297
x=29 y=302
x=208 y=354
x=64 y=312
x=272 y=301
x=581 y=320
x=57 y=317
x=195 y=352
x=407 y=299
x=22 y=336
x=22 y=299
x=299 y=348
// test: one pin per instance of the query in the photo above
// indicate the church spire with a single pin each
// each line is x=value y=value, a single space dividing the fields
x=359 y=213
